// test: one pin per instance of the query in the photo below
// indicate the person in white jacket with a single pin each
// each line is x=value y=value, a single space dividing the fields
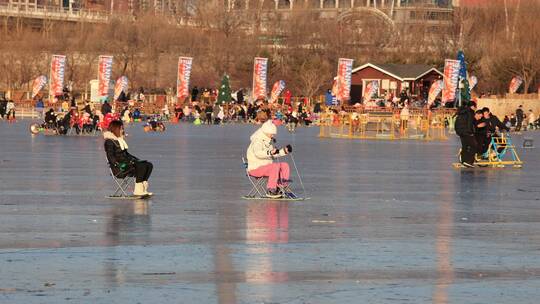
x=260 y=156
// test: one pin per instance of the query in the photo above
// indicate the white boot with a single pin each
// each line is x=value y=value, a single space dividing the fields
x=139 y=189
x=145 y=184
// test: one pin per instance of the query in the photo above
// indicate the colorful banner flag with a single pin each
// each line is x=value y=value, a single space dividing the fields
x=434 y=91
x=58 y=67
x=121 y=85
x=515 y=83
x=184 y=75
x=278 y=87
x=473 y=81
x=451 y=78
x=372 y=88
x=260 y=68
x=344 y=79
x=104 y=75
x=38 y=84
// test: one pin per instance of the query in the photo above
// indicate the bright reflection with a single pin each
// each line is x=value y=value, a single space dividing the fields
x=267 y=224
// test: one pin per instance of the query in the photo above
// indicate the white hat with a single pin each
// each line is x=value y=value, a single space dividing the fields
x=269 y=127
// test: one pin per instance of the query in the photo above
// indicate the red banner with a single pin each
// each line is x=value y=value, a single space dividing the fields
x=278 y=87
x=260 y=68
x=104 y=75
x=184 y=75
x=120 y=86
x=38 y=84
x=436 y=88
x=344 y=79
x=451 y=77
x=58 y=67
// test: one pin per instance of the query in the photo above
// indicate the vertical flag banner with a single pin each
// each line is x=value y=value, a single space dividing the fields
x=344 y=79
x=104 y=75
x=466 y=91
x=58 y=68
x=278 y=87
x=515 y=83
x=38 y=84
x=260 y=68
x=184 y=75
x=121 y=85
x=473 y=81
x=451 y=78
x=434 y=91
x=372 y=87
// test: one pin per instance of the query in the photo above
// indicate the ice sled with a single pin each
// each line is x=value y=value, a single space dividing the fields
x=258 y=190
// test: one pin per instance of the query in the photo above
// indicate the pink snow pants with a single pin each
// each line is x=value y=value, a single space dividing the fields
x=275 y=173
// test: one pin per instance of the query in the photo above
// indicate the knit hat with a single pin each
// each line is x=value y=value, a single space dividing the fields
x=269 y=127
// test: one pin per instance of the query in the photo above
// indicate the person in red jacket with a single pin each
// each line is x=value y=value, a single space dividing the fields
x=287 y=97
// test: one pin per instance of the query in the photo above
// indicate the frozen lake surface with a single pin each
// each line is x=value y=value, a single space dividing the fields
x=388 y=222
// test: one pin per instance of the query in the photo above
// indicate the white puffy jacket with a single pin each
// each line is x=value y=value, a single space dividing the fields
x=259 y=152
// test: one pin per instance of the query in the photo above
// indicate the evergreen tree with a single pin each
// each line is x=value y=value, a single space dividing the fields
x=224 y=95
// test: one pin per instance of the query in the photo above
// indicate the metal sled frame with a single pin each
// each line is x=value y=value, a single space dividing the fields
x=501 y=153
x=258 y=191
x=122 y=186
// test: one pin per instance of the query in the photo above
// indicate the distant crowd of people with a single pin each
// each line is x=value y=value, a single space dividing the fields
x=208 y=113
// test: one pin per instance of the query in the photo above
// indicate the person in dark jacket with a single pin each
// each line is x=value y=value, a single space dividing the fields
x=480 y=132
x=64 y=124
x=240 y=96
x=464 y=127
x=3 y=106
x=124 y=164
x=493 y=123
x=194 y=93
x=87 y=108
x=519 y=117
x=50 y=118
x=208 y=113
x=106 y=108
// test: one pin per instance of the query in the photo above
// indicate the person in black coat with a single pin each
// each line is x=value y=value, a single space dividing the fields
x=240 y=96
x=124 y=164
x=194 y=93
x=106 y=108
x=519 y=117
x=87 y=108
x=464 y=127
x=208 y=113
x=493 y=123
x=50 y=118
x=3 y=106
x=481 y=132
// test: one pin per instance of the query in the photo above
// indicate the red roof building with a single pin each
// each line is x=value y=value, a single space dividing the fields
x=416 y=79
